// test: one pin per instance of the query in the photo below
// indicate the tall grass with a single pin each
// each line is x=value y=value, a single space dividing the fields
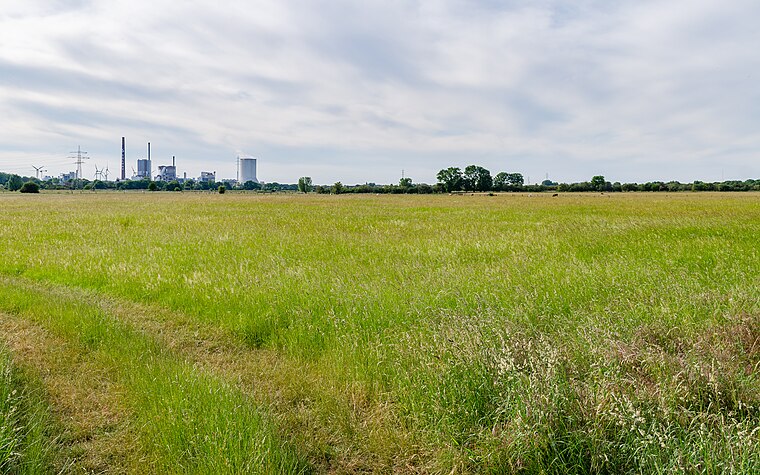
x=25 y=433
x=508 y=333
x=187 y=421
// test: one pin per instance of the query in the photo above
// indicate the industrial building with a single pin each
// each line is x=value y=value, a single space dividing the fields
x=143 y=168
x=166 y=173
x=67 y=177
x=207 y=177
x=246 y=170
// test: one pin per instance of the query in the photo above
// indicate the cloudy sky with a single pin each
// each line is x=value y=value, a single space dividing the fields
x=358 y=91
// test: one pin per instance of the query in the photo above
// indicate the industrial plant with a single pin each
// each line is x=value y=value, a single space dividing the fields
x=143 y=173
x=245 y=167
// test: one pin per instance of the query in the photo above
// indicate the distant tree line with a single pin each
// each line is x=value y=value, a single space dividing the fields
x=473 y=178
x=598 y=183
x=476 y=178
x=13 y=182
x=403 y=188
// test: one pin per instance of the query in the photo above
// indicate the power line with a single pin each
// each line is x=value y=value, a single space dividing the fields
x=80 y=156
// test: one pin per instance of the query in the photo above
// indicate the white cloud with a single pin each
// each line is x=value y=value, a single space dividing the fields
x=356 y=91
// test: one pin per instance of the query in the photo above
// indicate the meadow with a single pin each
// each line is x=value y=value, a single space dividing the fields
x=285 y=333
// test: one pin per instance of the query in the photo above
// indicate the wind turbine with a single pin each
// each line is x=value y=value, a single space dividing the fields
x=37 y=170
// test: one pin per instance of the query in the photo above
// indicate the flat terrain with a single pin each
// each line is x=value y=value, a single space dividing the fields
x=244 y=333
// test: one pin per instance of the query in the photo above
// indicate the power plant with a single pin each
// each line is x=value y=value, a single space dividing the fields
x=246 y=170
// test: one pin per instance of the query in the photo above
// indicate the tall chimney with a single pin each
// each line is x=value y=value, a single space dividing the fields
x=173 y=161
x=123 y=158
x=148 y=150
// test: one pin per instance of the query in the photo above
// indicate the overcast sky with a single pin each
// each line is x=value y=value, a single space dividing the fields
x=358 y=91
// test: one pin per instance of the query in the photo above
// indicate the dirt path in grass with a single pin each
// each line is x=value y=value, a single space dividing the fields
x=354 y=435
x=94 y=436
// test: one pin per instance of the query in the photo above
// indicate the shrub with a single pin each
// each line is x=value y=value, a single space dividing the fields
x=30 y=187
x=222 y=189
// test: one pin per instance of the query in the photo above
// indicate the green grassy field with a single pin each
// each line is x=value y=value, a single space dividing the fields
x=206 y=333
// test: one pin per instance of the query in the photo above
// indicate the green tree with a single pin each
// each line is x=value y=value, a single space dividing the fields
x=251 y=185
x=14 y=183
x=598 y=182
x=304 y=184
x=485 y=182
x=477 y=178
x=337 y=188
x=450 y=178
x=500 y=181
x=424 y=189
x=222 y=189
x=469 y=178
x=30 y=187
x=515 y=179
x=699 y=186
x=152 y=186
x=405 y=182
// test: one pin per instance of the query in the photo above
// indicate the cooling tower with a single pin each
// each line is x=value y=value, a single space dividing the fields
x=247 y=170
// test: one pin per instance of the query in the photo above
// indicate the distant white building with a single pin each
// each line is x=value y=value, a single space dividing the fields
x=246 y=170
x=207 y=177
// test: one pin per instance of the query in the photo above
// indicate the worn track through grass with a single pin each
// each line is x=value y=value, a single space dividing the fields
x=97 y=422
x=129 y=405
x=95 y=435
